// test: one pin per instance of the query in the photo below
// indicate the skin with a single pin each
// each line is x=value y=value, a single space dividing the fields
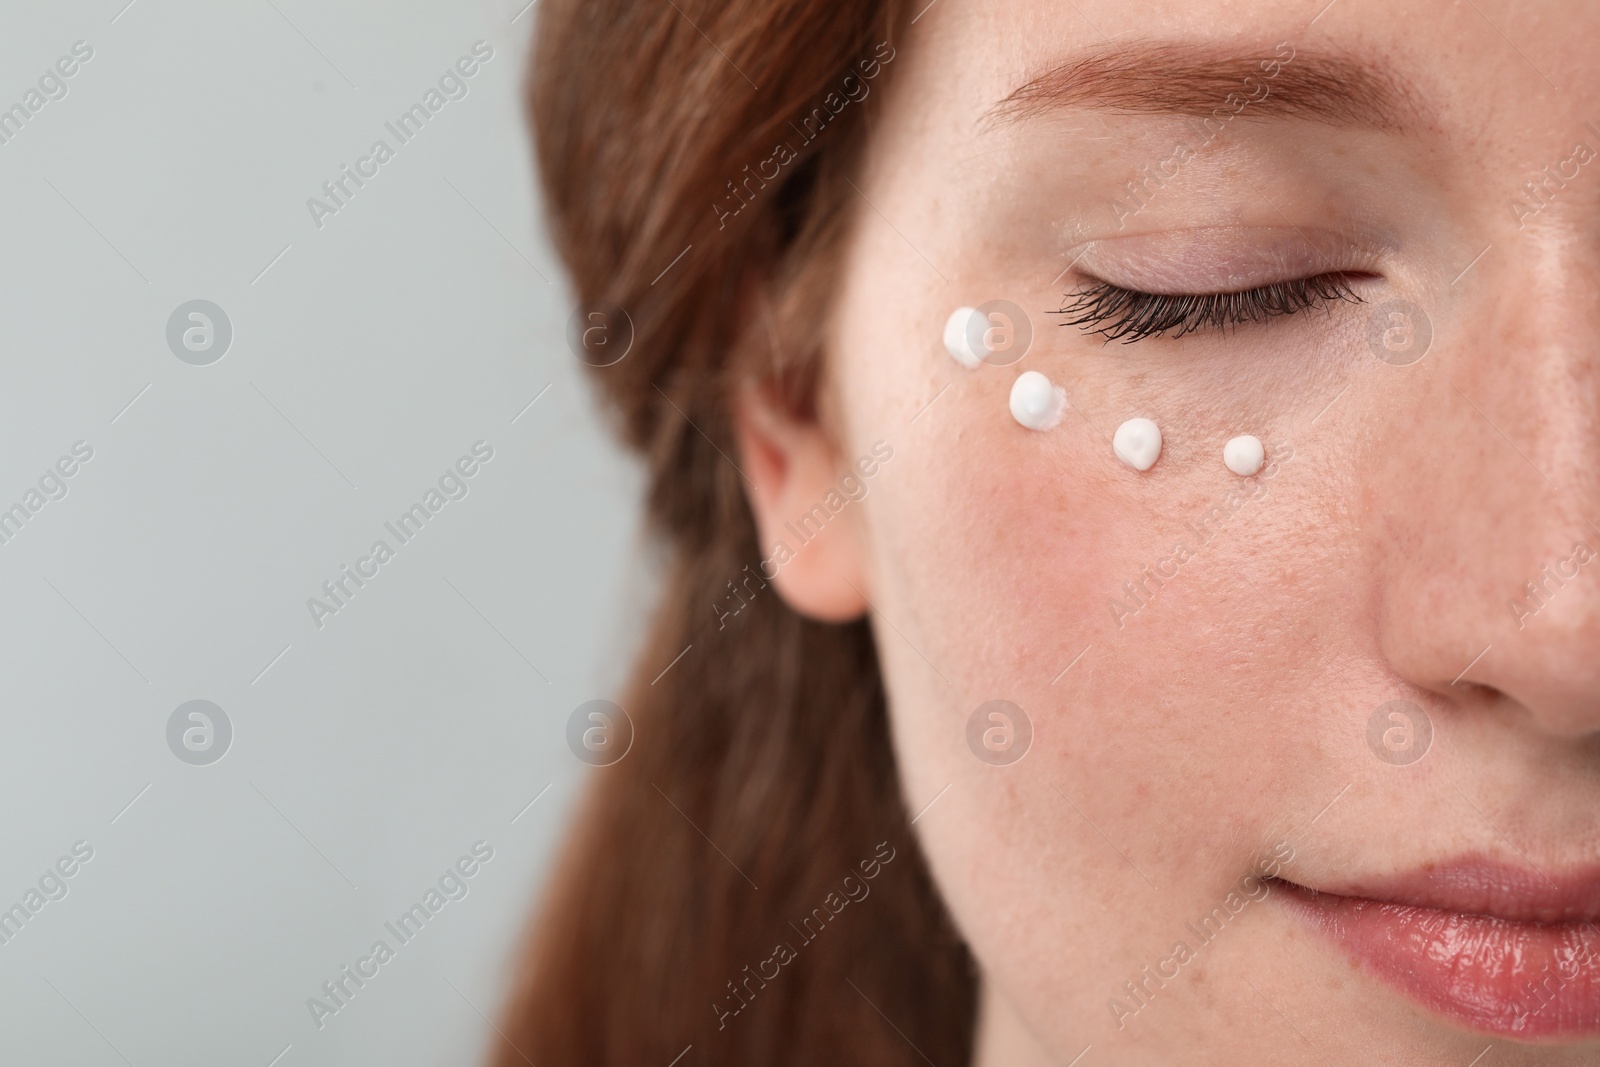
x=1229 y=713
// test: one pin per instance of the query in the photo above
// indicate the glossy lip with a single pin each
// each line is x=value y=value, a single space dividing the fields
x=1479 y=886
x=1503 y=950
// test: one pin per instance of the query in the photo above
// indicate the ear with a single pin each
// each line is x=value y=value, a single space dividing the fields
x=795 y=470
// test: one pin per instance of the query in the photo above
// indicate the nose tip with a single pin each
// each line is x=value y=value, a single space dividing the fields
x=1490 y=586
x=1548 y=661
x=1502 y=605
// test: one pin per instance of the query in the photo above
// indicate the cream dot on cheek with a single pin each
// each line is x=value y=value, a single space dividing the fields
x=1137 y=443
x=1035 y=402
x=963 y=337
x=1244 y=455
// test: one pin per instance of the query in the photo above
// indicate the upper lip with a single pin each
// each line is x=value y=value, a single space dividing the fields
x=1477 y=885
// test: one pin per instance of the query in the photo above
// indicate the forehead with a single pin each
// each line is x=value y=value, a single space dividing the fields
x=1437 y=66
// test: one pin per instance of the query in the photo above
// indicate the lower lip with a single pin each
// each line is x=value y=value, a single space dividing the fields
x=1520 y=980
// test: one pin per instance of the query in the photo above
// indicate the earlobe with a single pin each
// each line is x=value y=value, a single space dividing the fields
x=810 y=542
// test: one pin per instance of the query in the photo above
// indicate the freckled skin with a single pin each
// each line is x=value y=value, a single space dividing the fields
x=1231 y=709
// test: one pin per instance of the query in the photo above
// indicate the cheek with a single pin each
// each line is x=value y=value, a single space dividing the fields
x=991 y=559
x=993 y=545
x=995 y=555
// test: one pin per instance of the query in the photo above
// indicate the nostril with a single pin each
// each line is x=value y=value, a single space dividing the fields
x=1477 y=692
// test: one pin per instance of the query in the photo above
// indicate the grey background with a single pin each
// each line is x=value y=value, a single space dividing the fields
x=367 y=356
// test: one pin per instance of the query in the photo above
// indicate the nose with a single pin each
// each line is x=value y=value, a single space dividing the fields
x=1483 y=510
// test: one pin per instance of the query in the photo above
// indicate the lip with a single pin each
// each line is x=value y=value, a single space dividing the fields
x=1502 y=950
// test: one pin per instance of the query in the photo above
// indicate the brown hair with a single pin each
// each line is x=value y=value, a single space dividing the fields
x=761 y=773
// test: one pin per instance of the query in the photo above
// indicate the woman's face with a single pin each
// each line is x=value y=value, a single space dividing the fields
x=1211 y=664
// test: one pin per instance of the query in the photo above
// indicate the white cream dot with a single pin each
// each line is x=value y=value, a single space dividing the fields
x=1035 y=402
x=1137 y=443
x=963 y=337
x=1244 y=455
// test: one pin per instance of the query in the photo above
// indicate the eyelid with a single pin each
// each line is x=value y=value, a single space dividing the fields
x=1129 y=315
x=1219 y=259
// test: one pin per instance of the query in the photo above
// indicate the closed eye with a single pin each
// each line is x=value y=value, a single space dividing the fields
x=1129 y=315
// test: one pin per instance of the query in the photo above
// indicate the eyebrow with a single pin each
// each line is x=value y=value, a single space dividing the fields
x=1196 y=80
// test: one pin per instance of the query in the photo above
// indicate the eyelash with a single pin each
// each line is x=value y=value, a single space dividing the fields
x=1129 y=315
